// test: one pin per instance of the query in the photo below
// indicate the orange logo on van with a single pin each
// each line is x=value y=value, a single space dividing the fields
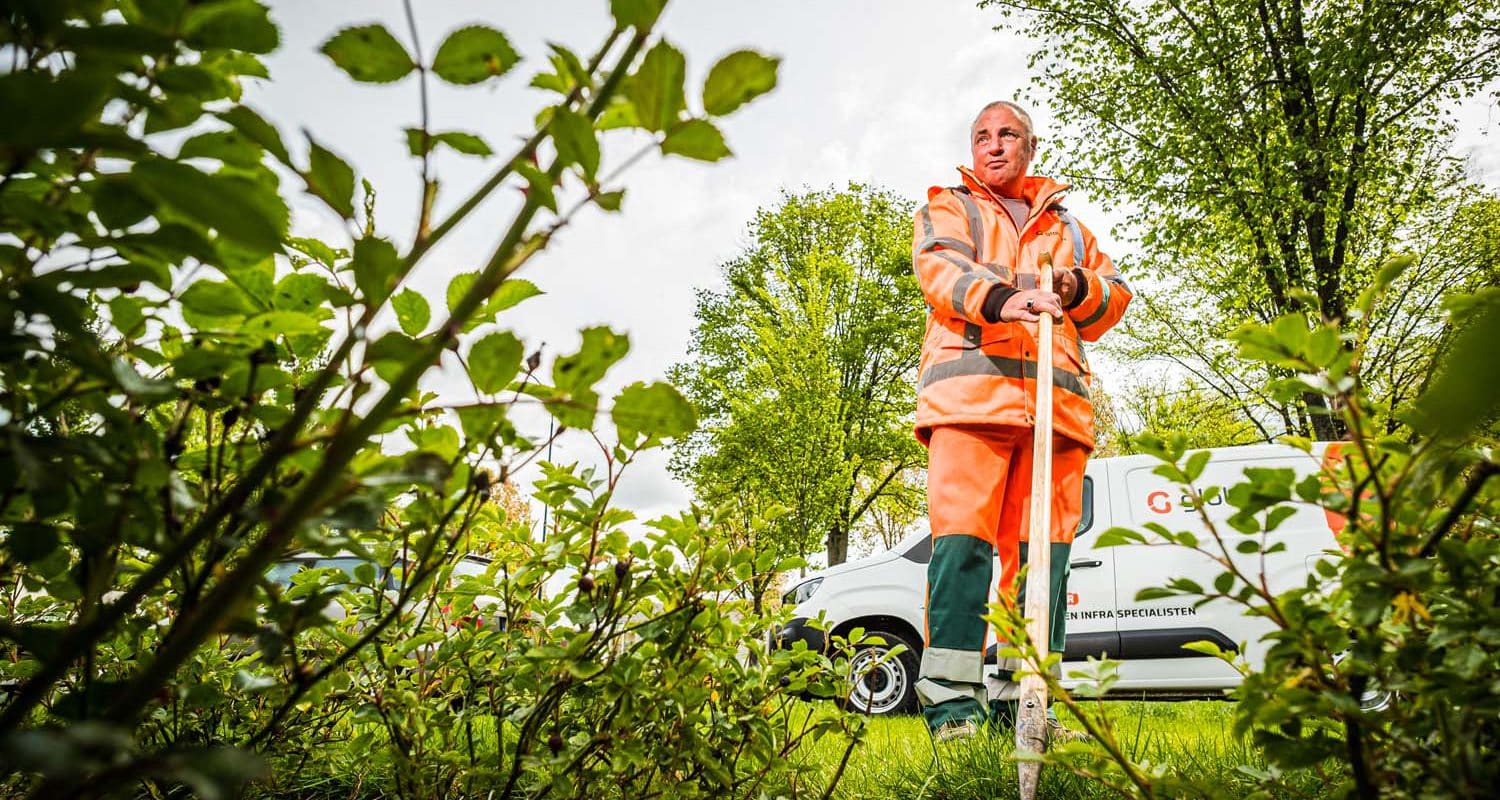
x=1072 y=598
x=1158 y=501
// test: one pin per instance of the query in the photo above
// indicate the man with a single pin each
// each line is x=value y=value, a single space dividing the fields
x=976 y=255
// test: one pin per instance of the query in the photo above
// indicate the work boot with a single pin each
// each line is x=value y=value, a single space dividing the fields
x=955 y=730
x=1057 y=733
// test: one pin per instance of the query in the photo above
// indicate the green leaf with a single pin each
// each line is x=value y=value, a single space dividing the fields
x=695 y=138
x=653 y=412
x=610 y=201
x=299 y=291
x=56 y=108
x=1462 y=396
x=195 y=81
x=1118 y=536
x=412 y=311
x=640 y=14
x=512 y=292
x=466 y=143
x=474 y=54
x=230 y=147
x=656 y=88
x=230 y=25
x=369 y=54
x=330 y=178
x=30 y=542
x=1195 y=465
x=315 y=250
x=459 y=286
x=538 y=182
x=600 y=349
x=242 y=210
x=119 y=204
x=1206 y=648
x=272 y=324
x=620 y=113
x=391 y=353
x=479 y=421
x=495 y=360
x=737 y=79
x=138 y=386
x=257 y=130
x=573 y=135
x=126 y=313
x=1384 y=277
x=376 y=266
x=216 y=299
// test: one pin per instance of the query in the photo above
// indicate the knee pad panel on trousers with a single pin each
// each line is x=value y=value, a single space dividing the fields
x=959 y=573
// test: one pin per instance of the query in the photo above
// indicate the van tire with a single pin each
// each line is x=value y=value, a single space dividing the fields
x=891 y=687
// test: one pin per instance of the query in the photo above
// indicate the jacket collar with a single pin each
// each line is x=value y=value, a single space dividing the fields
x=1038 y=192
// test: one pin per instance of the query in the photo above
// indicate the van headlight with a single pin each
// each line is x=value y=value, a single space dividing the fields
x=802 y=592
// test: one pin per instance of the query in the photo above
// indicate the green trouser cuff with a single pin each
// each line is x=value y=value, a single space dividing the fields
x=951 y=686
x=958 y=591
x=960 y=707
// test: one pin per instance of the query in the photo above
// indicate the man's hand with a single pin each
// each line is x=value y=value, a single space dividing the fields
x=1028 y=305
x=1065 y=283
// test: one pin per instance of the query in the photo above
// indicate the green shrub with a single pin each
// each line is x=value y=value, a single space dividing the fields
x=1380 y=673
x=188 y=394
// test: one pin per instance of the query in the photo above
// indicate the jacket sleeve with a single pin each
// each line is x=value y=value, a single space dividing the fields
x=945 y=262
x=1107 y=295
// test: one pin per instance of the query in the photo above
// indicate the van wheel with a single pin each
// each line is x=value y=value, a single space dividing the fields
x=885 y=688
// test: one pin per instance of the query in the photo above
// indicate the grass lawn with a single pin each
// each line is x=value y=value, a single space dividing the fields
x=1192 y=739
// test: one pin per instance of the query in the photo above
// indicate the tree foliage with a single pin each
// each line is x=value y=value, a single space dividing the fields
x=802 y=367
x=1271 y=154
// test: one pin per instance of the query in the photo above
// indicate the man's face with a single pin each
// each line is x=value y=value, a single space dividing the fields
x=1001 y=149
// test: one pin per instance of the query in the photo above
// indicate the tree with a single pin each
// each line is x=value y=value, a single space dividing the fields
x=803 y=368
x=1160 y=409
x=1272 y=154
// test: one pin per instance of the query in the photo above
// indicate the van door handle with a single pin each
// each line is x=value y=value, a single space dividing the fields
x=1085 y=564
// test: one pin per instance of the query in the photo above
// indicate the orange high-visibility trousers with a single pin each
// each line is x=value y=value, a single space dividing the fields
x=978 y=503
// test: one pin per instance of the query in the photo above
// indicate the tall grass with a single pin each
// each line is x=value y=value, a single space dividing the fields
x=1193 y=740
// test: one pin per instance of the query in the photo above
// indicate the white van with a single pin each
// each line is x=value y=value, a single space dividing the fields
x=884 y=594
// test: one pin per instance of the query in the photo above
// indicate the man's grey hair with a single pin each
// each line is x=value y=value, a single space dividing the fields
x=1015 y=109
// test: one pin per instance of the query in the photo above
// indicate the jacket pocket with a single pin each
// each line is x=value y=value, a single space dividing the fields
x=963 y=335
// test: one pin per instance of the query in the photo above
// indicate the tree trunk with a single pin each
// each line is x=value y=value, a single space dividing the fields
x=1325 y=428
x=838 y=545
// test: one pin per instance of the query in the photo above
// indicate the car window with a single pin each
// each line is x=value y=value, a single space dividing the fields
x=346 y=565
x=282 y=572
x=1087 y=520
x=920 y=551
x=466 y=568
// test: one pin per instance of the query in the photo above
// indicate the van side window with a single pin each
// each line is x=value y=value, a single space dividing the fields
x=1087 y=520
x=921 y=552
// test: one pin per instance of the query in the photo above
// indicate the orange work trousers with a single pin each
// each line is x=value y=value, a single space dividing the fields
x=978 y=502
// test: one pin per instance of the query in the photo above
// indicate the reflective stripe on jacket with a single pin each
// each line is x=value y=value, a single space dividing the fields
x=974 y=372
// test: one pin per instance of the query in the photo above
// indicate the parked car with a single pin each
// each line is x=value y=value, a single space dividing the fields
x=389 y=577
x=885 y=594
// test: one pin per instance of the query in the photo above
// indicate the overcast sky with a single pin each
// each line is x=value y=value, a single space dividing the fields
x=872 y=92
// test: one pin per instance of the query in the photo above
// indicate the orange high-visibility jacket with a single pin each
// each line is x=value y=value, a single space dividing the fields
x=975 y=372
